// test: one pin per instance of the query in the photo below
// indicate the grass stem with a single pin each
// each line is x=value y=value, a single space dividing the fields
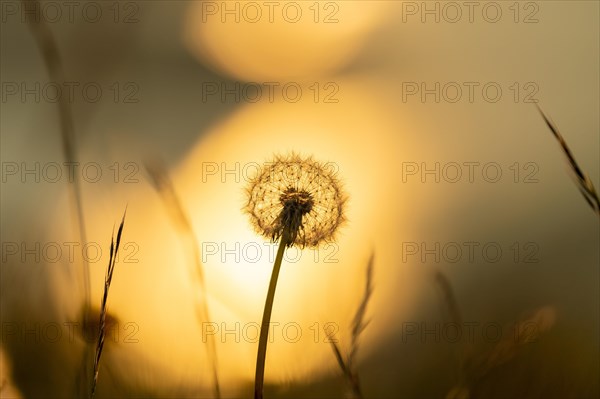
x=266 y=320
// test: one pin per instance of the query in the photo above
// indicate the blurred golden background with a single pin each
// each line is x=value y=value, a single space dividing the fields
x=426 y=110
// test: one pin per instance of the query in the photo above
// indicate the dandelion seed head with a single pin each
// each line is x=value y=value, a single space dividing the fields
x=296 y=196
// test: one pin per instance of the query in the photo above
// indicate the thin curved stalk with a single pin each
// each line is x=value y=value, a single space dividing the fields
x=164 y=187
x=266 y=320
x=52 y=59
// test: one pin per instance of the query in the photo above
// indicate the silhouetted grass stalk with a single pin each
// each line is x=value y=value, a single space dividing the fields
x=49 y=49
x=266 y=320
x=584 y=183
x=358 y=326
x=45 y=40
x=114 y=250
x=452 y=313
x=164 y=187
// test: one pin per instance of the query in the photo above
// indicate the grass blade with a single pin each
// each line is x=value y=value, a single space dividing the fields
x=52 y=59
x=164 y=187
x=358 y=326
x=114 y=250
x=584 y=183
x=53 y=62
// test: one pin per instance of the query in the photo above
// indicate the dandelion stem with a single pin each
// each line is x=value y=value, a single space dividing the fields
x=264 y=327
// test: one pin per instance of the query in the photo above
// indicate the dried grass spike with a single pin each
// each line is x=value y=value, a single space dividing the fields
x=584 y=183
x=358 y=326
x=114 y=250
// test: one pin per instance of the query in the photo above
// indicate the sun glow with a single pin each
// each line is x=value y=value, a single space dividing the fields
x=291 y=40
x=316 y=286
